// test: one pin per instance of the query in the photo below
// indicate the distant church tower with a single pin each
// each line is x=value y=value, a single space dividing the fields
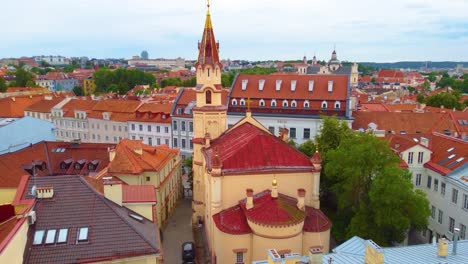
x=209 y=114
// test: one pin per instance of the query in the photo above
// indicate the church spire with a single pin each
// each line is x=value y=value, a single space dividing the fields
x=208 y=47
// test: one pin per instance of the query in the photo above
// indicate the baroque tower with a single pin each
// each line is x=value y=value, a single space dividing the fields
x=209 y=114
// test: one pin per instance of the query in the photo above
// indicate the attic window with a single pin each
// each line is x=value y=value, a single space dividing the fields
x=451 y=156
x=262 y=103
x=293 y=85
x=311 y=85
x=244 y=84
x=261 y=83
x=450 y=149
x=179 y=111
x=337 y=105
x=273 y=103
x=38 y=237
x=278 y=85
x=330 y=86
x=324 y=105
x=62 y=236
x=403 y=132
x=294 y=104
x=83 y=234
x=234 y=102
x=242 y=102
x=66 y=164
x=50 y=238
x=306 y=104
x=136 y=217
x=285 y=103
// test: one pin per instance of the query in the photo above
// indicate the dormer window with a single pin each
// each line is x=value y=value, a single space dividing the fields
x=294 y=104
x=179 y=111
x=92 y=166
x=293 y=85
x=273 y=103
x=244 y=84
x=105 y=116
x=285 y=103
x=278 y=85
x=324 y=105
x=79 y=164
x=306 y=104
x=242 y=102
x=262 y=103
x=330 y=86
x=311 y=85
x=337 y=105
x=64 y=165
x=261 y=83
x=234 y=102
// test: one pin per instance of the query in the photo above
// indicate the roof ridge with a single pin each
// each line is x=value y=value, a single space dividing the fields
x=111 y=205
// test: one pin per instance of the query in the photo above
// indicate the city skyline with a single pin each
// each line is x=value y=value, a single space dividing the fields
x=261 y=30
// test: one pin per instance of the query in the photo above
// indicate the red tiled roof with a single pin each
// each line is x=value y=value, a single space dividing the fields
x=27 y=89
x=15 y=106
x=11 y=164
x=273 y=211
x=373 y=107
x=138 y=194
x=117 y=106
x=270 y=211
x=85 y=104
x=411 y=123
x=440 y=144
x=390 y=74
x=45 y=105
x=248 y=149
x=153 y=112
x=127 y=161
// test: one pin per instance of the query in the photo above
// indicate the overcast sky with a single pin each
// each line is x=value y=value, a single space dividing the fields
x=362 y=30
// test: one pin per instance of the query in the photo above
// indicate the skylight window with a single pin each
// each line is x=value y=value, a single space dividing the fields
x=450 y=149
x=50 y=238
x=451 y=156
x=460 y=159
x=415 y=140
x=38 y=237
x=62 y=237
x=83 y=234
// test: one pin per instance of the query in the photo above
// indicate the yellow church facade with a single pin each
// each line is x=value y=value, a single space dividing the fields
x=251 y=190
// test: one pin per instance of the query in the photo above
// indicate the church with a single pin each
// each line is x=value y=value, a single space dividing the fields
x=251 y=190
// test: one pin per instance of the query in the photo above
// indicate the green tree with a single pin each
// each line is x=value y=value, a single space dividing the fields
x=308 y=148
x=375 y=197
x=188 y=163
x=411 y=89
x=22 y=77
x=448 y=100
x=432 y=77
x=426 y=85
x=192 y=82
x=78 y=91
x=373 y=80
x=445 y=82
x=420 y=98
x=3 y=86
x=121 y=80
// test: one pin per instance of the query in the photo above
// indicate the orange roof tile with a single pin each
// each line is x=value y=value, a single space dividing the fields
x=45 y=105
x=83 y=104
x=15 y=106
x=116 y=105
x=138 y=194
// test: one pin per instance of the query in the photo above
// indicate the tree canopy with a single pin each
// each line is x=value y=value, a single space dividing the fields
x=448 y=100
x=3 y=86
x=375 y=197
x=23 y=77
x=192 y=82
x=121 y=80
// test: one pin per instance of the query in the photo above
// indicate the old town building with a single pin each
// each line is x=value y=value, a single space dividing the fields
x=252 y=191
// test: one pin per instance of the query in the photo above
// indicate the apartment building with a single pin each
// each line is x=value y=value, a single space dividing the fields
x=43 y=109
x=182 y=121
x=151 y=123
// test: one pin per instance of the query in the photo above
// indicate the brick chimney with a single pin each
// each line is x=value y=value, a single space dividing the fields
x=207 y=139
x=249 y=203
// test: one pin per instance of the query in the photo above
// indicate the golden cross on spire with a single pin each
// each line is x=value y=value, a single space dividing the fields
x=248 y=104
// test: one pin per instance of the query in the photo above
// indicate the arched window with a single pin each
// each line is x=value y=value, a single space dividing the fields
x=285 y=103
x=234 y=102
x=262 y=103
x=294 y=104
x=273 y=103
x=208 y=72
x=208 y=97
x=324 y=105
x=242 y=102
x=337 y=105
x=306 y=104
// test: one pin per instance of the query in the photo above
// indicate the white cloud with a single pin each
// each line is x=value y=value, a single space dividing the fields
x=250 y=29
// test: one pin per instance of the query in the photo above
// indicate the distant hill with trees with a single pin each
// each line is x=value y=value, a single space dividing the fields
x=415 y=64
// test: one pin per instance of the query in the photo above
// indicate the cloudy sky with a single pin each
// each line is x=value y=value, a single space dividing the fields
x=362 y=30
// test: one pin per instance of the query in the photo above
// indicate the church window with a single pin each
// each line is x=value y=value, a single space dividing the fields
x=208 y=72
x=306 y=104
x=242 y=102
x=208 y=97
x=285 y=103
x=239 y=257
x=294 y=104
x=234 y=102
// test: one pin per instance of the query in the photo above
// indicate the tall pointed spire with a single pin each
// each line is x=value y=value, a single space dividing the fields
x=208 y=47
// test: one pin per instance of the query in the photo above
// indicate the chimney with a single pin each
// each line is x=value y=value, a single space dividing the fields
x=424 y=141
x=45 y=192
x=442 y=249
x=138 y=150
x=13 y=99
x=113 y=189
x=455 y=241
x=284 y=134
x=374 y=254
x=274 y=190
x=301 y=199
x=249 y=203
x=111 y=154
x=315 y=255
x=207 y=139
